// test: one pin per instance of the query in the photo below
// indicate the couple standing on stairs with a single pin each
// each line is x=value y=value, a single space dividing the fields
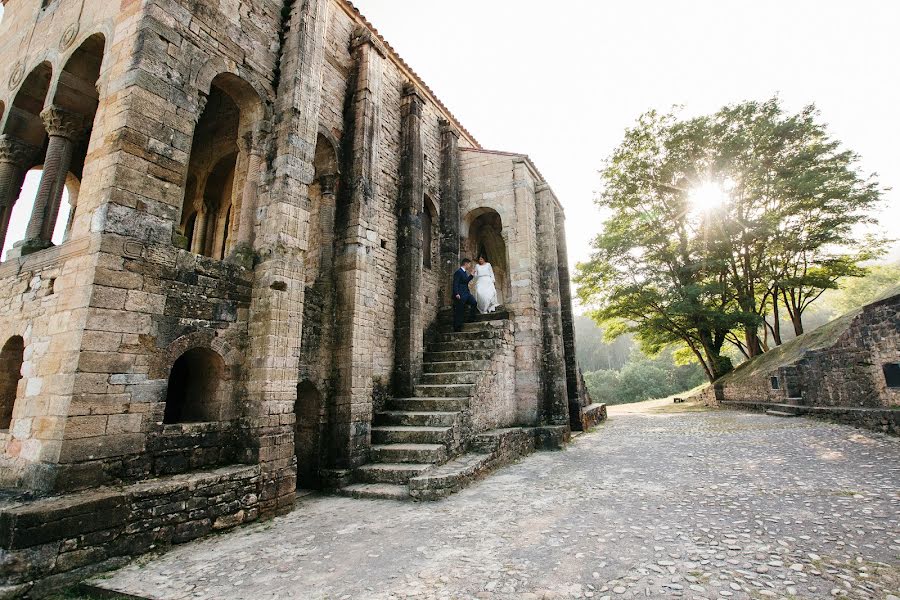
x=485 y=298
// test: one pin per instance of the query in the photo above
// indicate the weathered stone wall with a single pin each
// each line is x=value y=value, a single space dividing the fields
x=842 y=377
x=505 y=185
x=850 y=373
x=55 y=542
x=494 y=404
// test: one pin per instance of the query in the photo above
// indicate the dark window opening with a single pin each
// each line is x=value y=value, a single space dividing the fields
x=193 y=392
x=774 y=382
x=892 y=374
x=427 y=237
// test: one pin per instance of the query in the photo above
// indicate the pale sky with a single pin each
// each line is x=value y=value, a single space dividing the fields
x=561 y=81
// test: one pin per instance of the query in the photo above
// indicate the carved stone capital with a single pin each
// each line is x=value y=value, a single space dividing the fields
x=328 y=183
x=447 y=128
x=250 y=143
x=60 y=122
x=15 y=151
x=363 y=36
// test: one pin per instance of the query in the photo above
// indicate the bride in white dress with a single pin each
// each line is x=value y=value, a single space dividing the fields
x=485 y=290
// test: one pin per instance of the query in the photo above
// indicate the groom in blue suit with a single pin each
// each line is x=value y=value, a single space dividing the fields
x=461 y=295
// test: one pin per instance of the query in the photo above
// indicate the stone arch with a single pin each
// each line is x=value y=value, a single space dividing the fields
x=322 y=193
x=219 y=161
x=198 y=389
x=77 y=91
x=486 y=237
x=11 y=358
x=24 y=119
x=307 y=434
x=430 y=234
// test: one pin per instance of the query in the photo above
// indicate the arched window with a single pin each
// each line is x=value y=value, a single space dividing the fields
x=217 y=168
x=307 y=412
x=428 y=236
x=11 y=357
x=196 y=391
x=24 y=133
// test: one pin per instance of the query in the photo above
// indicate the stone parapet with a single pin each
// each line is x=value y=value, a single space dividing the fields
x=48 y=544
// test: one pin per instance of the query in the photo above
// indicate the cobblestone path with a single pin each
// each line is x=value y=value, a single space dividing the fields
x=695 y=505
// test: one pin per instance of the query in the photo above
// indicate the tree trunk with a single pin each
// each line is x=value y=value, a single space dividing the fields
x=797 y=320
x=776 y=323
x=751 y=339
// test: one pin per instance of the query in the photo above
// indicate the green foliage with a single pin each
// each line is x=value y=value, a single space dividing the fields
x=670 y=273
x=643 y=378
x=857 y=292
x=594 y=353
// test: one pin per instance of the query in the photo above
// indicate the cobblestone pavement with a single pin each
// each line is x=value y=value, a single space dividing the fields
x=695 y=505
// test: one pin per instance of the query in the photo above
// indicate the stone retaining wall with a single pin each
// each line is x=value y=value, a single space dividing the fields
x=60 y=540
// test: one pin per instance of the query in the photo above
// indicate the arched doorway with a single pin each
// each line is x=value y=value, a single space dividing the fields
x=485 y=238
x=11 y=358
x=196 y=392
x=307 y=434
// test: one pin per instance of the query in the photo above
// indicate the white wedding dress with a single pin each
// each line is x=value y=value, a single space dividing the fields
x=485 y=290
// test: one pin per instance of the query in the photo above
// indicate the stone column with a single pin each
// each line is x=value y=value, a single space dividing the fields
x=328 y=186
x=568 y=319
x=199 y=242
x=449 y=220
x=15 y=158
x=350 y=414
x=276 y=306
x=63 y=128
x=408 y=328
x=554 y=407
x=243 y=248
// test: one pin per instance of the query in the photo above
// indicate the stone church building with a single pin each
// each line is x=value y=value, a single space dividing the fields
x=261 y=208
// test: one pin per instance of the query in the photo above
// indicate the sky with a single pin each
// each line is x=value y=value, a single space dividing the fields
x=561 y=81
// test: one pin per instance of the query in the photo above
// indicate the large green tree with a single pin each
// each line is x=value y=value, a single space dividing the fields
x=675 y=266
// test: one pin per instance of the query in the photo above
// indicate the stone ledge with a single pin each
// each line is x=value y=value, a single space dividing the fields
x=52 y=542
x=886 y=420
x=591 y=415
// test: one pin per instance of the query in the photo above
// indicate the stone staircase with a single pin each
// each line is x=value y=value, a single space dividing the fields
x=413 y=435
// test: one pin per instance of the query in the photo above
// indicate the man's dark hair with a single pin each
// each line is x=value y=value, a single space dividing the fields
x=464 y=262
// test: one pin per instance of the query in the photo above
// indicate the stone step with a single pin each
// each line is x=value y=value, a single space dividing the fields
x=409 y=453
x=481 y=333
x=465 y=377
x=396 y=473
x=383 y=491
x=406 y=434
x=455 y=366
x=458 y=355
x=428 y=404
x=445 y=316
x=464 y=345
x=417 y=418
x=781 y=413
x=445 y=390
